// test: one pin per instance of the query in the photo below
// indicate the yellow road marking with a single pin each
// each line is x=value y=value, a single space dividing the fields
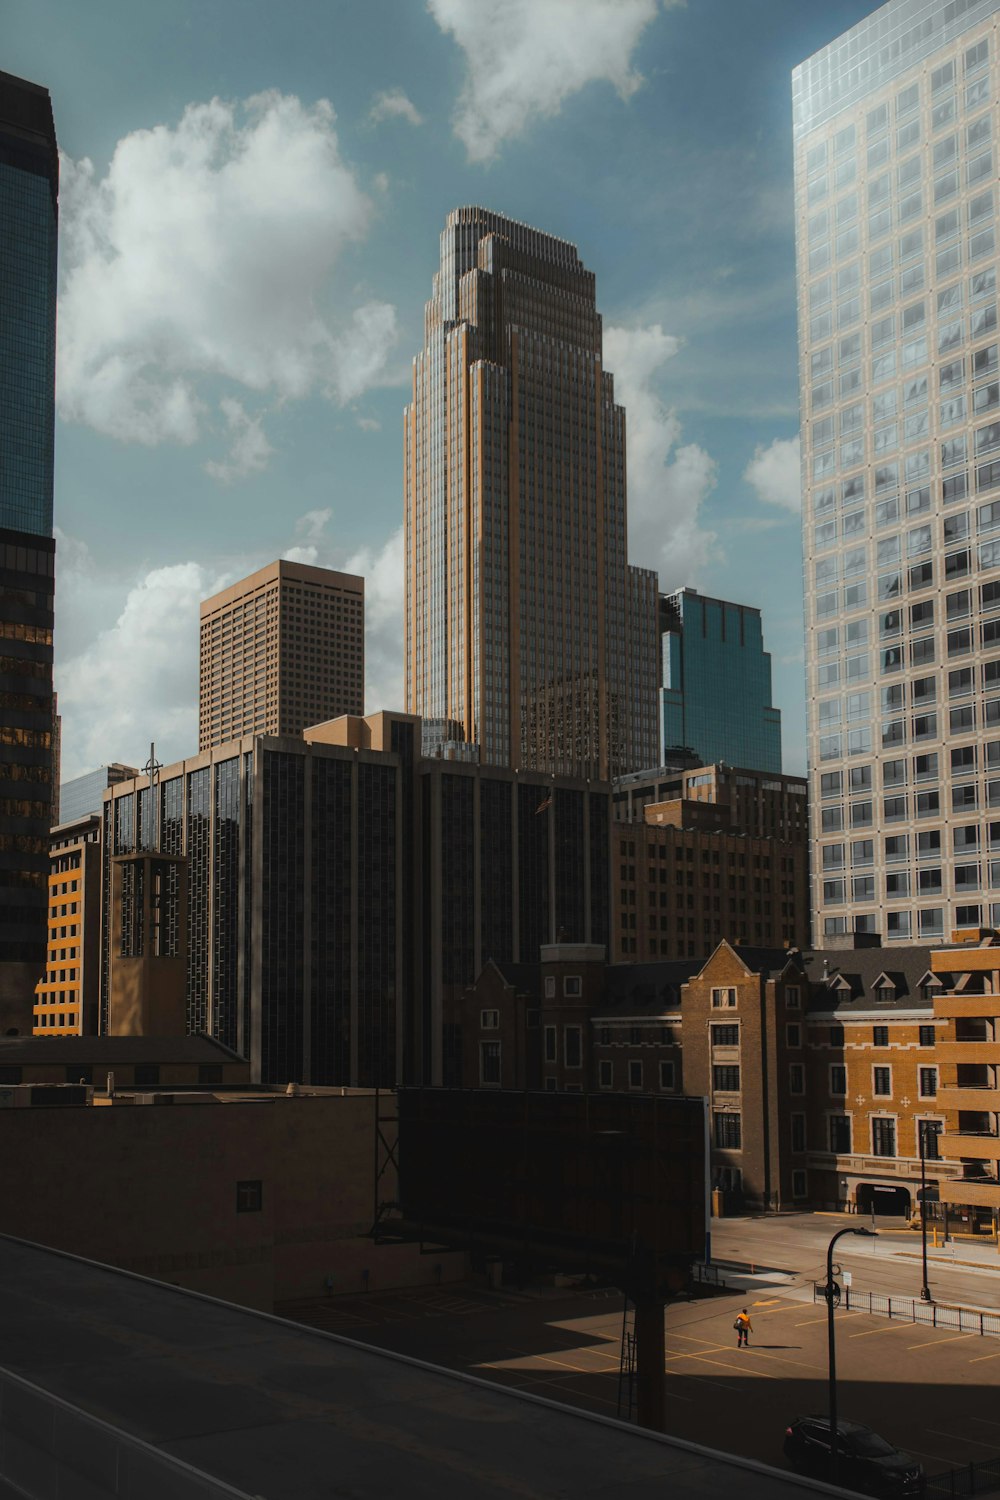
x=769 y=1303
x=937 y=1342
x=978 y=1361
x=704 y=1359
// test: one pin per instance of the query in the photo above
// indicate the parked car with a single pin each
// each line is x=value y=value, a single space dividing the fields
x=866 y=1462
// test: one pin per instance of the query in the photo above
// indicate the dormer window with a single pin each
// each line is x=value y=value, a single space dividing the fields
x=885 y=990
x=930 y=985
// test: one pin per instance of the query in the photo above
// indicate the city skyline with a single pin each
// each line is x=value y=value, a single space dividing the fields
x=175 y=379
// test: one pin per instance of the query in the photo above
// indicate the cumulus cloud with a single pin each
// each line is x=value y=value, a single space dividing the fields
x=207 y=250
x=526 y=57
x=136 y=680
x=393 y=104
x=382 y=569
x=775 y=473
x=249 y=449
x=668 y=480
x=310 y=543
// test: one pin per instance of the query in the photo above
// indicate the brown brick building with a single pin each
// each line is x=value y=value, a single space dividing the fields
x=705 y=854
x=66 y=996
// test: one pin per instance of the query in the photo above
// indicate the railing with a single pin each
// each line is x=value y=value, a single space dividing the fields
x=49 y=1447
x=979 y=1478
x=912 y=1310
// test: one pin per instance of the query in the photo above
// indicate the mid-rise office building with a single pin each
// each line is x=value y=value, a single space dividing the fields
x=83 y=795
x=896 y=154
x=525 y=623
x=342 y=892
x=66 y=995
x=29 y=185
x=716 y=694
x=281 y=649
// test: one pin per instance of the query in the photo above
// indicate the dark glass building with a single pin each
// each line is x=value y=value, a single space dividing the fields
x=29 y=181
x=344 y=892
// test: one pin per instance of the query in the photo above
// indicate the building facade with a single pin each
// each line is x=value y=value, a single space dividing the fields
x=29 y=185
x=83 y=795
x=343 y=892
x=524 y=622
x=281 y=649
x=716 y=694
x=896 y=198
x=66 y=995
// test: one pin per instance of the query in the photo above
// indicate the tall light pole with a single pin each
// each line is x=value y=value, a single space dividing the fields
x=925 y=1291
x=831 y=1344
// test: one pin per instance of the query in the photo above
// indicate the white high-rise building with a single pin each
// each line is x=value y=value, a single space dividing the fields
x=896 y=158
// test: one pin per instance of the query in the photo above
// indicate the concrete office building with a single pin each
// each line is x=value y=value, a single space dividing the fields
x=29 y=215
x=66 y=995
x=716 y=694
x=525 y=623
x=83 y=795
x=342 y=892
x=281 y=649
x=896 y=201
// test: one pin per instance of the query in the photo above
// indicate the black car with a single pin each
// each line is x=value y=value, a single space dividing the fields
x=866 y=1462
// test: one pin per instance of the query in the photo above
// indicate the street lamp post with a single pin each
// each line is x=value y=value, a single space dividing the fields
x=831 y=1345
x=925 y=1291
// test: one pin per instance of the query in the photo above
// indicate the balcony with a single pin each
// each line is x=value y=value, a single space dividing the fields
x=969 y=1052
x=967 y=1005
x=975 y=1194
x=975 y=1145
x=952 y=1097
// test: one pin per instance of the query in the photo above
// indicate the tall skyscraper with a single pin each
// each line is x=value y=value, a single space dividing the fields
x=716 y=694
x=29 y=183
x=524 y=622
x=280 y=650
x=896 y=158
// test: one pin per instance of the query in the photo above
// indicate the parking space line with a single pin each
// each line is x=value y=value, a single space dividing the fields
x=891 y=1328
x=957 y=1437
x=936 y=1343
x=761 y=1374
x=978 y=1361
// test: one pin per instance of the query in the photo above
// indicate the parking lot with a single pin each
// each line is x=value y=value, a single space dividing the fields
x=932 y=1392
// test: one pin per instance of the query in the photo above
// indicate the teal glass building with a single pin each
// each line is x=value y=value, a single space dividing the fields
x=29 y=183
x=716 y=694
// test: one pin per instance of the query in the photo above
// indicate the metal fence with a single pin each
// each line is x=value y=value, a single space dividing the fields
x=981 y=1478
x=912 y=1310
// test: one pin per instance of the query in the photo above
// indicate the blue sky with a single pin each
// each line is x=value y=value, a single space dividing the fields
x=251 y=202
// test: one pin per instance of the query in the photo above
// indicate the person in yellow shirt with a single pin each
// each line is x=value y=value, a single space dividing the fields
x=744 y=1328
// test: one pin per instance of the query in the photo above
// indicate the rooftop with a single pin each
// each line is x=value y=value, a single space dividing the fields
x=290 y=1413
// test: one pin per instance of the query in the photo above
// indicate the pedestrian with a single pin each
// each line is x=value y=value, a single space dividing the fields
x=744 y=1328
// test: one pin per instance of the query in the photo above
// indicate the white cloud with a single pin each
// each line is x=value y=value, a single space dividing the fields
x=524 y=58
x=208 y=250
x=775 y=473
x=382 y=569
x=668 y=481
x=249 y=449
x=393 y=104
x=136 y=680
x=310 y=543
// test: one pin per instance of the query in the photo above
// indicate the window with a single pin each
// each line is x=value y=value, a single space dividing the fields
x=929 y=1132
x=840 y=1134
x=549 y=1033
x=798 y=1123
x=723 y=997
x=147 y=1075
x=836 y=1036
x=573 y=1046
x=208 y=1073
x=928 y=1082
x=883 y=1136
x=667 y=1075
x=489 y=1064
x=793 y=1036
x=838 y=1080
x=605 y=1074
x=793 y=997
x=635 y=1075
x=249 y=1197
x=926 y=1036
x=796 y=1079
x=489 y=1020
x=882 y=1083
x=880 y=1036
x=725 y=1036
x=728 y=1131
x=550 y=987
x=726 y=1079
x=573 y=986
